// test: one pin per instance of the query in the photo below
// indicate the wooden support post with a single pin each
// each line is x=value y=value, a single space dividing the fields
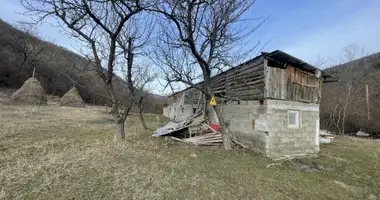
x=34 y=71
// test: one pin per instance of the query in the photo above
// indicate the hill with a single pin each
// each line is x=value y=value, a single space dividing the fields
x=350 y=94
x=57 y=68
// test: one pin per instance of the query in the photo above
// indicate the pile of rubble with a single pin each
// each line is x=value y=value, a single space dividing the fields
x=208 y=139
x=206 y=135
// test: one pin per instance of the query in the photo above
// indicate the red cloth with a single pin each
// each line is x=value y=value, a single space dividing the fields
x=214 y=126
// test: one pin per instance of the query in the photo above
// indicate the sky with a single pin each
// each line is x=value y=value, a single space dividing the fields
x=306 y=29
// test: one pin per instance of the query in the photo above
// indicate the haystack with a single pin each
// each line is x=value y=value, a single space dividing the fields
x=72 y=99
x=30 y=93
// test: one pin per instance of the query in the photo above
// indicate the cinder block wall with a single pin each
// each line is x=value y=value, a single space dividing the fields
x=248 y=124
x=264 y=128
x=283 y=140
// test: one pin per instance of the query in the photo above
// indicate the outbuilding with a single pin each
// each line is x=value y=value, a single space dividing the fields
x=271 y=103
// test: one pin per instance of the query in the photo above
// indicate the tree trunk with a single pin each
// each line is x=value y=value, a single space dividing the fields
x=120 y=132
x=114 y=102
x=223 y=129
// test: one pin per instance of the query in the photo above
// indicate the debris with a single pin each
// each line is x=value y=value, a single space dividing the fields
x=362 y=134
x=325 y=133
x=177 y=139
x=172 y=127
x=311 y=167
x=169 y=128
x=209 y=136
x=325 y=137
x=206 y=139
x=325 y=140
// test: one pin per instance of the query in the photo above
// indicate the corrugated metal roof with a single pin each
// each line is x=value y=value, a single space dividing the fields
x=295 y=62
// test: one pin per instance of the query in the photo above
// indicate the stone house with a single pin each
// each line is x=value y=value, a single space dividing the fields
x=271 y=103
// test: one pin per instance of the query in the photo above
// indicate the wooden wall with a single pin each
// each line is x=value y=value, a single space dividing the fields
x=292 y=84
x=256 y=80
x=245 y=82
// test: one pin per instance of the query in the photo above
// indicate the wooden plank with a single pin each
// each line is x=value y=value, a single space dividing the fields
x=252 y=85
x=177 y=139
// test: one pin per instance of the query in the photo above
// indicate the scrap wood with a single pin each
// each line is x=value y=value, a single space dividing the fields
x=177 y=139
x=209 y=141
x=206 y=139
x=205 y=136
x=240 y=144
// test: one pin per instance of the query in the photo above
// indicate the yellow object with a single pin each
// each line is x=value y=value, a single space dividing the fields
x=213 y=101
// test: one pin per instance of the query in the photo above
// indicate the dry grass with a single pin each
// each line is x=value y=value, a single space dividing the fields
x=56 y=152
x=72 y=99
x=31 y=93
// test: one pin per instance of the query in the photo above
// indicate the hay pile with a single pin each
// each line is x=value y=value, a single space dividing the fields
x=30 y=93
x=72 y=99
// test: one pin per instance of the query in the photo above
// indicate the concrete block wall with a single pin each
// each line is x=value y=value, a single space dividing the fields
x=241 y=124
x=284 y=140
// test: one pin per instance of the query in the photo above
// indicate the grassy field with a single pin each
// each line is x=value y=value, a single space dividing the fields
x=66 y=153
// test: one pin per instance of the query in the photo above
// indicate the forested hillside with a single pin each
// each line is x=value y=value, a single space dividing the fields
x=344 y=106
x=57 y=68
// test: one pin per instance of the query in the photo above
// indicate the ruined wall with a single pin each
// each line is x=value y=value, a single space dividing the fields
x=285 y=140
x=178 y=110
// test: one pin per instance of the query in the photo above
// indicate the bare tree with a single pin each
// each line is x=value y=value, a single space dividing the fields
x=26 y=44
x=143 y=76
x=201 y=38
x=320 y=62
x=350 y=52
x=348 y=94
x=99 y=26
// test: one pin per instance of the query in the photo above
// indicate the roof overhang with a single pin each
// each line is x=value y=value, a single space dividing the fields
x=285 y=58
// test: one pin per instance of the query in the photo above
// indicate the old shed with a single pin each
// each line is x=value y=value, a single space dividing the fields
x=272 y=102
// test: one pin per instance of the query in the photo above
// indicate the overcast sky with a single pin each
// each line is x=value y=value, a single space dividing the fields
x=305 y=29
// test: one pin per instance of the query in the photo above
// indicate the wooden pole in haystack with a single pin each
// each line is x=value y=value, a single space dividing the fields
x=34 y=71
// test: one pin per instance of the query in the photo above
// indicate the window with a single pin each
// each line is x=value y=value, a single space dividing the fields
x=194 y=110
x=293 y=119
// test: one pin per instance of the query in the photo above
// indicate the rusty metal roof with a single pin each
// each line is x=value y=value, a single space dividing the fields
x=283 y=57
